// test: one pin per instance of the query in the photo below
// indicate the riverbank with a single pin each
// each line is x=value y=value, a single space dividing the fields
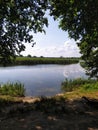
x=44 y=60
x=74 y=110
x=40 y=79
x=25 y=60
x=61 y=112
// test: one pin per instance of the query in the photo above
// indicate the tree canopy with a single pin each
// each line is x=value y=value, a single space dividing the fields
x=17 y=19
x=80 y=19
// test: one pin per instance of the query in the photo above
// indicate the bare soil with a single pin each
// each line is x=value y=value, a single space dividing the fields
x=50 y=114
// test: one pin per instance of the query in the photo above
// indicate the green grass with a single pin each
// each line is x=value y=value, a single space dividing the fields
x=43 y=60
x=84 y=84
x=78 y=88
x=12 y=89
x=89 y=87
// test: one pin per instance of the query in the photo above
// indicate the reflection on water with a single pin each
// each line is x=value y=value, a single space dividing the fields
x=41 y=79
x=74 y=71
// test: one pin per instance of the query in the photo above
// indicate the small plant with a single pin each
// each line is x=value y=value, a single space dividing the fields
x=70 y=85
x=90 y=87
x=12 y=89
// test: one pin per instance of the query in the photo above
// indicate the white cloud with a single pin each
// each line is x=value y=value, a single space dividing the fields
x=68 y=49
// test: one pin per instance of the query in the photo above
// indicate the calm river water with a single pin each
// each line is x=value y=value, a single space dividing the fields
x=41 y=80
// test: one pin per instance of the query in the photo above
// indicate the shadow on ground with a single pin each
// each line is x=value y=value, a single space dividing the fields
x=49 y=114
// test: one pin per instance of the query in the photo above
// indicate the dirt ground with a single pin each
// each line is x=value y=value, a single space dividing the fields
x=50 y=114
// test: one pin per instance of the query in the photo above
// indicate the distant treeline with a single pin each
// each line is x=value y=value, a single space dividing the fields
x=44 y=60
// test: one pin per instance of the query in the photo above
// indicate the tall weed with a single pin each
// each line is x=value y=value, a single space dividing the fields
x=12 y=89
x=70 y=85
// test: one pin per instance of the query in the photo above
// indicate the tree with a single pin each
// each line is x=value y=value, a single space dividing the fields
x=80 y=19
x=29 y=56
x=17 y=19
x=41 y=56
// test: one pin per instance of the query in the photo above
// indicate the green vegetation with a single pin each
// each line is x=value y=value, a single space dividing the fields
x=81 y=22
x=90 y=87
x=80 y=84
x=78 y=88
x=43 y=60
x=19 y=18
x=12 y=89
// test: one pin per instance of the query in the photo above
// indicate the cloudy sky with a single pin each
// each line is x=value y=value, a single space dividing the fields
x=54 y=43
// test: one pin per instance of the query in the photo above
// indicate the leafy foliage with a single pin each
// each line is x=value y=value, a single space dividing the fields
x=80 y=19
x=17 y=19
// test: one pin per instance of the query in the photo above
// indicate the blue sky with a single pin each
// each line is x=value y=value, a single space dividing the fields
x=54 y=43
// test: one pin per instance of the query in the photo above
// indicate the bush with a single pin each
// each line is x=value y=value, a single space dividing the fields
x=12 y=89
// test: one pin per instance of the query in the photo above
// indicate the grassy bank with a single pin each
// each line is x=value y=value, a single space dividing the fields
x=56 y=104
x=55 y=113
x=71 y=89
x=77 y=86
x=44 y=60
x=80 y=87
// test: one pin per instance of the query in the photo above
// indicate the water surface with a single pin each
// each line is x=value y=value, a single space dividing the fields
x=41 y=80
